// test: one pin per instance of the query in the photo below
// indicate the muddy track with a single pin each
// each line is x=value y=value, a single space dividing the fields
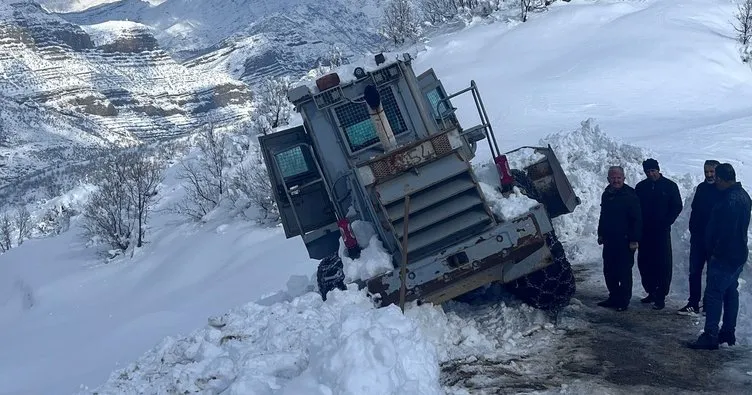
x=639 y=351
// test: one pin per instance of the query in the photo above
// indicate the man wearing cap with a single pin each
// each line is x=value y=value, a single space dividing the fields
x=661 y=203
x=726 y=245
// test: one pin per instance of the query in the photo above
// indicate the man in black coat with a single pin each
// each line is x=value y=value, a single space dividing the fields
x=706 y=196
x=619 y=229
x=661 y=204
x=726 y=243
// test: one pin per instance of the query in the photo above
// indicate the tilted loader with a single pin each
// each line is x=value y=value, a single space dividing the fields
x=382 y=145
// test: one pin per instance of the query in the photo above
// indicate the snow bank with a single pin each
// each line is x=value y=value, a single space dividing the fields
x=304 y=346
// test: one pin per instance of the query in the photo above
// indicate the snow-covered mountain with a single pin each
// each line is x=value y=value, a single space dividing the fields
x=111 y=81
x=249 y=39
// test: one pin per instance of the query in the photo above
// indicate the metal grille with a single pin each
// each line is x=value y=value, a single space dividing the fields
x=328 y=97
x=357 y=124
x=441 y=145
x=292 y=162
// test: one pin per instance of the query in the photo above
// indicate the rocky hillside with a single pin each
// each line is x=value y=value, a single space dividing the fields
x=68 y=91
x=114 y=74
x=249 y=39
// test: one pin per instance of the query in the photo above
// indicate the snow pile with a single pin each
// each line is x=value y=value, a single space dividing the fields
x=509 y=207
x=524 y=157
x=373 y=260
x=516 y=203
x=304 y=346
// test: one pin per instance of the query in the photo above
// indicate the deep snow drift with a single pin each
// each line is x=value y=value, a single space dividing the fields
x=681 y=92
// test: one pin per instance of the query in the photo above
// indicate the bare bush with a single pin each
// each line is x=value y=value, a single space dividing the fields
x=252 y=188
x=205 y=177
x=272 y=107
x=118 y=211
x=436 y=11
x=6 y=232
x=400 y=21
x=743 y=21
x=23 y=223
x=526 y=6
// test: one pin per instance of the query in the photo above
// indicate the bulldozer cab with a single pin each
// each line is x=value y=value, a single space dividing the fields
x=298 y=187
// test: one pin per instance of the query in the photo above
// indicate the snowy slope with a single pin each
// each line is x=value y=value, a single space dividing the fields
x=680 y=94
x=269 y=37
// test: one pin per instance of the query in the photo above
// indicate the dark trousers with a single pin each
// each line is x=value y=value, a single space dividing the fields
x=654 y=260
x=721 y=295
x=697 y=259
x=618 y=261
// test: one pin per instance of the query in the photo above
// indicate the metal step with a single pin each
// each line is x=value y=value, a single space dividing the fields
x=431 y=197
x=457 y=227
x=437 y=213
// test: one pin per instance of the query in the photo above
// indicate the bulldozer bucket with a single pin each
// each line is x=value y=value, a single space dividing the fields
x=551 y=184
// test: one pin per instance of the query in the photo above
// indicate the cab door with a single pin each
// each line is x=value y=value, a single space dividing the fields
x=299 y=188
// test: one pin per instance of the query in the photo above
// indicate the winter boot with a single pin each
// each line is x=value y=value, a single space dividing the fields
x=704 y=342
x=726 y=337
x=607 y=303
x=659 y=304
x=647 y=299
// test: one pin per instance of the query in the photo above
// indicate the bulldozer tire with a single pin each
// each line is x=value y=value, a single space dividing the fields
x=330 y=275
x=550 y=288
x=526 y=185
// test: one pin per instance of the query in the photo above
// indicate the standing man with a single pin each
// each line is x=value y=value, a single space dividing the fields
x=661 y=204
x=706 y=196
x=619 y=229
x=726 y=244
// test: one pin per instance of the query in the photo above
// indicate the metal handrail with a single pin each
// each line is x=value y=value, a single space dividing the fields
x=485 y=122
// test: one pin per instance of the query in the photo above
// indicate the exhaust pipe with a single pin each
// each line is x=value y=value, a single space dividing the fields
x=379 y=119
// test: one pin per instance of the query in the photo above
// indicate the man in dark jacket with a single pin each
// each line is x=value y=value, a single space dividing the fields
x=727 y=248
x=619 y=229
x=661 y=204
x=706 y=196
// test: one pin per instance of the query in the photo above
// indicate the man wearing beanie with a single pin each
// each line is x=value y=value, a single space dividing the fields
x=726 y=246
x=661 y=204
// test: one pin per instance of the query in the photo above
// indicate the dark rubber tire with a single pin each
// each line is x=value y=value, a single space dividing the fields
x=550 y=288
x=330 y=275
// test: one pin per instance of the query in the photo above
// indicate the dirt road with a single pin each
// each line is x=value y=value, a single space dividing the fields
x=597 y=350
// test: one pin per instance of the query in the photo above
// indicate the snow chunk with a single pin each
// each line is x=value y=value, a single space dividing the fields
x=305 y=346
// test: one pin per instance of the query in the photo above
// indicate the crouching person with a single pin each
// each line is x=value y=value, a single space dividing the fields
x=726 y=244
x=619 y=230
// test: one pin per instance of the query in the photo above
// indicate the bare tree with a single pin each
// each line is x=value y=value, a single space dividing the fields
x=272 y=107
x=743 y=21
x=400 y=21
x=6 y=232
x=23 y=222
x=118 y=211
x=532 y=5
x=335 y=57
x=205 y=177
x=143 y=177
